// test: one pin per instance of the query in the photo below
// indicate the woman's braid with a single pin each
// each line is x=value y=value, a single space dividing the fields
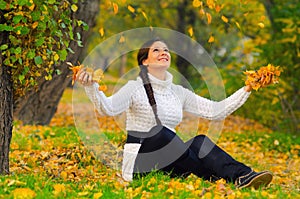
x=149 y=91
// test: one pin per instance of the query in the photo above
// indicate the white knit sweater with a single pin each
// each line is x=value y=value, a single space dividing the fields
x=171 y=101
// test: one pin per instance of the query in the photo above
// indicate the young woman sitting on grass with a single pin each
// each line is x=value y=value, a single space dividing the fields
x=154 y=106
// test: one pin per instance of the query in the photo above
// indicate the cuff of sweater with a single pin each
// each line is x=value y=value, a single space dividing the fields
x=91 y=88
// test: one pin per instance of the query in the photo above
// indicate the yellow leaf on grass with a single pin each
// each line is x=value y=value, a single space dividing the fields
x=59 y=188
x=23 y=193
x=98 y=195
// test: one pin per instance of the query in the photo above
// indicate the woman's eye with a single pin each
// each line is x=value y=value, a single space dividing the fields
x=166 y=50
x=155 y=49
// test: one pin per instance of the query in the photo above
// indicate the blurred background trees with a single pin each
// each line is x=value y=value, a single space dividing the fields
x=239 y=35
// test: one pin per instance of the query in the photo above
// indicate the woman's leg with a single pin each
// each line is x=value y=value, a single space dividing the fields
x=212 y=157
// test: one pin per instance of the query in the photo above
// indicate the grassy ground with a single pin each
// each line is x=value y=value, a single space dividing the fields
x=53 y=162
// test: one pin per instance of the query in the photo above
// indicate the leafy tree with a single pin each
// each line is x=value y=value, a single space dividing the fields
x=36 y=106
x=36 y=36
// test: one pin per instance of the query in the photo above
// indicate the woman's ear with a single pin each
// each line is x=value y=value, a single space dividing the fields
x=145 y=62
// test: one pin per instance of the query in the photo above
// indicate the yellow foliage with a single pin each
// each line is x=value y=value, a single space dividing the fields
x=263 y=77
x=97 y=75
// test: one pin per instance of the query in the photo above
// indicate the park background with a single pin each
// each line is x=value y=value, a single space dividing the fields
x=48 y=158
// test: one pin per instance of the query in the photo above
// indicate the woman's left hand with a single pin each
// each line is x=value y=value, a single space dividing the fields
x=84 y=77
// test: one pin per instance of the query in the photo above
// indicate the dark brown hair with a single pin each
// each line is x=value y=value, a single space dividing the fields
x=141 y=56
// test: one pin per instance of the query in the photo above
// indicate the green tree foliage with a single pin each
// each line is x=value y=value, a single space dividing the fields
x=283 y=48
x=39 y=36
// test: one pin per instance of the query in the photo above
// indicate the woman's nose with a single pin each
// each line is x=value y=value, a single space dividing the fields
x=163 y=52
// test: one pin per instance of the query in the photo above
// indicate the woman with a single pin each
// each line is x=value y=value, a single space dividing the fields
x=154 y=107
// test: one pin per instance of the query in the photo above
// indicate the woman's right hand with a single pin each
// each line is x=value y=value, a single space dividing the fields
x=84 y=77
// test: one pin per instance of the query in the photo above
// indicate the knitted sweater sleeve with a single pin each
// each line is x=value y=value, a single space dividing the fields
x=213 y=110
x=113 y=105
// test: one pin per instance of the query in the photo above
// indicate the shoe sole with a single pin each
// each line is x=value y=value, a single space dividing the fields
x=261 y=180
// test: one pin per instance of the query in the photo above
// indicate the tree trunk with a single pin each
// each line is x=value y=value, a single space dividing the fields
x=186 y=17
x=6 y=106
x=38 y=107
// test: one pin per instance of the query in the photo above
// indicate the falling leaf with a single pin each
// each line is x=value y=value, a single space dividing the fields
x=210 y=3
x=211 y=39
x=197 y=3
x=191 y=31
x=201 y=12
x=130 y=8
x=122 y=39
x=225 y=19
x=209 y=18
x=218 y=8
x=238 y=25
x=101 y=31
x=261 y=25
x=145 y=15
x=74 y=7
x=116 y=8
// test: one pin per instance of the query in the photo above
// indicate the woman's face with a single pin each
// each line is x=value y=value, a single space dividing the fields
x=158 y=56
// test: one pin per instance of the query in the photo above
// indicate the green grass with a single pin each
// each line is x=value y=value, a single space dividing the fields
x=66 y=150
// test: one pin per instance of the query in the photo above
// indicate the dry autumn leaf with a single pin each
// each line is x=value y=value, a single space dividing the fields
x=264 y=76
x=97 y=75
x=75 y=70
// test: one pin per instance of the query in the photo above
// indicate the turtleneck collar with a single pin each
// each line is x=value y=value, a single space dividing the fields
x=158 y=84
x=165 y=83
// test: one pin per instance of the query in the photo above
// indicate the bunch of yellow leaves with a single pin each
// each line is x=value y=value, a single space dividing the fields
x=263 y=77
x=97 y=75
